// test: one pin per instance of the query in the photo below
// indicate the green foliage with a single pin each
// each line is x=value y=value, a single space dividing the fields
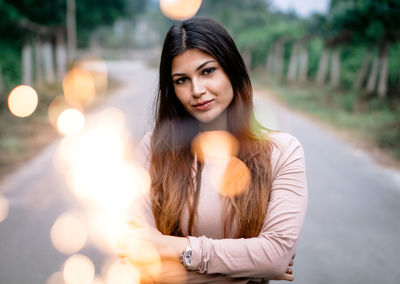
x=91 y=14
x=368 y=20
x=315 y=47
x=394 y=68
x=351 y=60
x=375 y=121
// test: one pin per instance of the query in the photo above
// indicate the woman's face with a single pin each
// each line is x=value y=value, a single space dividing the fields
x=201 y=85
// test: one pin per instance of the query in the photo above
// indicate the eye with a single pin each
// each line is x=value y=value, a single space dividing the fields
x=208 y=70
x=181 y=80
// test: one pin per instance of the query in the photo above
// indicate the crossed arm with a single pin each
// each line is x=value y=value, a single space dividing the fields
x=268 y=255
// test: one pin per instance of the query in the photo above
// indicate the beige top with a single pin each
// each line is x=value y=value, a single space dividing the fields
x=216 y=259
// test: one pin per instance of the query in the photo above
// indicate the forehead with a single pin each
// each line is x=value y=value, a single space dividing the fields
x=189 y=60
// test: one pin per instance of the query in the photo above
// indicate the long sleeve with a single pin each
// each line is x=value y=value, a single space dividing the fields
x=235 y=260
x=269 y=254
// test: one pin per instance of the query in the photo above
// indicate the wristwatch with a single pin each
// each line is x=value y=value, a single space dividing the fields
x=186 y=257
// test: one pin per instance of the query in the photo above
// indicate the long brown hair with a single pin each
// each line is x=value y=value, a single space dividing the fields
x=175 y=178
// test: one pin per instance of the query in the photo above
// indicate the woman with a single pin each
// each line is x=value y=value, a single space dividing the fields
x=246 y=236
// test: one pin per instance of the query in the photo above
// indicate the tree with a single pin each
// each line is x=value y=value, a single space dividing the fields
x=371 y=22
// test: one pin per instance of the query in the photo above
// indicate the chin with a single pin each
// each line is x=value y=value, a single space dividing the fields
x=205 y=120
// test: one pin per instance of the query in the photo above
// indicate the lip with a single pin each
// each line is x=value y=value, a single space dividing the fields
x=204 y=105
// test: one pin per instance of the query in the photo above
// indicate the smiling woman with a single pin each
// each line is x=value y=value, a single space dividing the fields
x=202 y=87
x=226 y=203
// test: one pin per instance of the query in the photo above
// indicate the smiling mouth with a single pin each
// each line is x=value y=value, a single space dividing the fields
x=203 y=105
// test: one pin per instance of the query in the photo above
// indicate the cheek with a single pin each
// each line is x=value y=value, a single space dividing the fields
x=182 y=96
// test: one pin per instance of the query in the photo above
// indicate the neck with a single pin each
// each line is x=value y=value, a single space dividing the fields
x=220 y=123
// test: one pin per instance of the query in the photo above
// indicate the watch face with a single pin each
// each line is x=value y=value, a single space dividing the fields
x=188 y=257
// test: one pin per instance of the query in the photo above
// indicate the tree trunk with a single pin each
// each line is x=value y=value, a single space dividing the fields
x=27 y=64
x=48 y=62
x=303 y=68
x=293 y=63
x=362 y=73
x=335 y=68
x=38 y=62
x=373 y=75
x=383 y=78
x=71 y=29
x=271 y=58
x=322 y=67
x=279 y=59
x=61 y=55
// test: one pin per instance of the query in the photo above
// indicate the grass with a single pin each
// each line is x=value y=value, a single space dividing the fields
x=370 y=121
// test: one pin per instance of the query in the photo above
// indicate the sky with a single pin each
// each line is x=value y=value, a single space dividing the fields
x=303 y=8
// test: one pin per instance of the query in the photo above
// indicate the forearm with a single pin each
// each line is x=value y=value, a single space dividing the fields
x=172 y=247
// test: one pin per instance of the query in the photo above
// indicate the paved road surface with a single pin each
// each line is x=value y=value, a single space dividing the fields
x=351 y=234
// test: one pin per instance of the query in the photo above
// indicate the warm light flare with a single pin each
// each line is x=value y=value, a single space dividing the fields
x=98 y=280
x=98 y=69
x=56 y=278
x=4 y=207
x=78 y=269
x=106 y=229
x=100 y=169
x=134 y=249
x=69 y=233
x=79 y=87
x=215 y=144
x=180 y=9
x=236 y=178
x=56 y=107
x=22 y=101
x=70 y=122
x=119 y=273
x=100 y=173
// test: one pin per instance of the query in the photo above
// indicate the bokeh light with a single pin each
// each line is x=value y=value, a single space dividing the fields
x=106 y=229
x=22 y=101
x=69 y=233
x=180 y=9
x=78 y=269
x=99 y=71
x=100 y=173
x=139 y=252
x=119 y=273
x=56 y=107
x=56 y=278
x=4 y=207
x=98 y=280
x=70 y=122
x=236 y=178
x=79 y=87
x=215 y=144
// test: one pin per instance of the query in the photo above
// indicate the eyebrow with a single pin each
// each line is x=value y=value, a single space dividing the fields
x=198 y=68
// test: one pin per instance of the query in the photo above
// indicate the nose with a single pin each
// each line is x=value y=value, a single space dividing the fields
x=198 y=88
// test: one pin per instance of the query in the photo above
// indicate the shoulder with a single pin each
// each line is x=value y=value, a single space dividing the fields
x=143 y=150
x=283 y=141
x=285 y=150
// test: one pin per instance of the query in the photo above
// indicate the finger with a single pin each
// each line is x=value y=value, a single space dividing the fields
x=285 y=276
x=289 y=270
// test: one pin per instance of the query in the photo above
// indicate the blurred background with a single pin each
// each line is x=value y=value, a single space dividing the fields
x=77 y=85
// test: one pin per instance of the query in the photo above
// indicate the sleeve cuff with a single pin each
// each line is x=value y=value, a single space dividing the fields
x=196 y=252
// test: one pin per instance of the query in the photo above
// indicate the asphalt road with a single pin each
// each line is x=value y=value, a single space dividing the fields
x=351 y=233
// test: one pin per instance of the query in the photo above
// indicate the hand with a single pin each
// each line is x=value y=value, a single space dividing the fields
x=168 y=247
x=154 y=255
x=288 y=275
